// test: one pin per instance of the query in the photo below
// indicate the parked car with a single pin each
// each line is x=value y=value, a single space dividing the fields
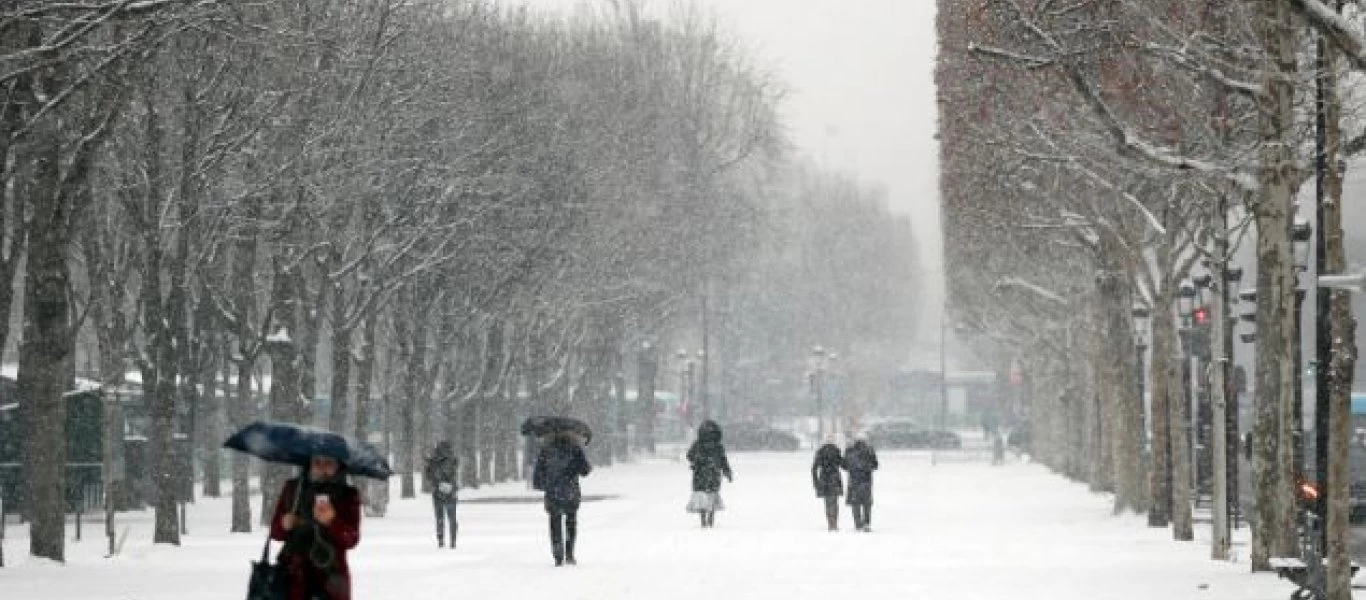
x=911 y=435
x=749 y=436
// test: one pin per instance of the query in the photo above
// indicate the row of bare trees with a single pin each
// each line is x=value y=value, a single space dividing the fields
x=1094 y=155
x=438 y=216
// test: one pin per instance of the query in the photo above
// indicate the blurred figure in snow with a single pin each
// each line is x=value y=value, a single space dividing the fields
x=860 y=460
x=707 y=457
x=442 y=474
x=558 y=467
x=826 y=477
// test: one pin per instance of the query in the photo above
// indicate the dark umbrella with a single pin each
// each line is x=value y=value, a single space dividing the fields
x=297 y=444
x=539 y=426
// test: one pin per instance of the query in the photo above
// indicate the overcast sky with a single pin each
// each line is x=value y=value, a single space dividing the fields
x=861 y=95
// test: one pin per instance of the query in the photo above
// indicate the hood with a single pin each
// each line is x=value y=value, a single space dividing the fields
x=709 y=431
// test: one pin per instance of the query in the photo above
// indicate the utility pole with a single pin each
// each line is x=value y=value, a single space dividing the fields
x=1218 y=389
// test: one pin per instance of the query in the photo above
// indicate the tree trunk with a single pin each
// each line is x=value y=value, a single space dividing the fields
x=1179 y=426
x=47 y=343
x=241 y=407
x=1128 y=414
x=1165 y=352
x=282 y=345
x=1343 y=350
x=1273 y=443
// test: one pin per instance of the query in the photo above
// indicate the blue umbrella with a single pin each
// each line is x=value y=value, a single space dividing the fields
x=296 y=444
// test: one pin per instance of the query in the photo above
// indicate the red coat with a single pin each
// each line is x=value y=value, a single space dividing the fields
x=342 y=534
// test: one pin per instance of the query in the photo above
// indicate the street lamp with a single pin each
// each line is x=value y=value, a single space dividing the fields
x=1141 y=316
x=702 y=389
x=1300 y=235
x=817 y=382
x=1185 y=302
x=683 y=399
x=1247 y=313
x=1233 y=277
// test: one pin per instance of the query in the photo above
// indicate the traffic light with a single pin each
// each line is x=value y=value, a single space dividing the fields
x=1201 y=316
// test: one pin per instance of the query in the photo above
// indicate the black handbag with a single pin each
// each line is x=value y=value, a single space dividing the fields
x=268 y=581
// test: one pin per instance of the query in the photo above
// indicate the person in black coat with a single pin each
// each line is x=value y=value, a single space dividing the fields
x=558 y=467
x=441 y=475
x=860 y=460
x=826 y=477
x=707 y=457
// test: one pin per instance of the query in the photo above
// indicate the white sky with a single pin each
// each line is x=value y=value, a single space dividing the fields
x=861 y=96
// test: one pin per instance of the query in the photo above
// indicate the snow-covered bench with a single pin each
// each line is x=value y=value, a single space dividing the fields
x=1298 y=572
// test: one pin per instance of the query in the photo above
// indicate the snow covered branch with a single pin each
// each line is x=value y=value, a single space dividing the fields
x=1042 y=292
x=1180 y=58
x=1340 y=31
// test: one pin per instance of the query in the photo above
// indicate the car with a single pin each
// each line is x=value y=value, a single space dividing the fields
x=750 y=436
x=911 y=435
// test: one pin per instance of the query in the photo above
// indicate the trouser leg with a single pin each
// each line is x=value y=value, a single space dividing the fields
x=556 y=537
x=832 y=512
x=571 y=533
x=440 y=510
x=450 y=516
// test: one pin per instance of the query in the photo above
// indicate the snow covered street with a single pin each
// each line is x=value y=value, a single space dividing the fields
x=957 y=530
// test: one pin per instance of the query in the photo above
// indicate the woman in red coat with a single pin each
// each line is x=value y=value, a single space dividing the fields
x=317 y=530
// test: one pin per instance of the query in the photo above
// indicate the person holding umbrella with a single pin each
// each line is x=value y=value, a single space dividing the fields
x=707 y=457
x=826 y=477
x=317 y=515
x=559 y=465
x=318 y=519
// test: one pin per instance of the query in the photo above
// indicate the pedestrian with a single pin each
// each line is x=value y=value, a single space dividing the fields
x=860 y=460
x=318 y=518
x=826 y=477
x=707 y=457
x=441 y=476
x=558 y=467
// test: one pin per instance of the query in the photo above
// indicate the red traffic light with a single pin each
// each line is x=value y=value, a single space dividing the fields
x=1201 y=316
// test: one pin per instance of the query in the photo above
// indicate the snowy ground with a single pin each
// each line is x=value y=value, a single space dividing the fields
x=959 y=530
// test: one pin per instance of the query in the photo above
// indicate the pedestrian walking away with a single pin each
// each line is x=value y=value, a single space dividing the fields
x=318 y=519
x=441 y=476
x=860 y=460
x=558 y=468
x=826 y=477
x=707 y=458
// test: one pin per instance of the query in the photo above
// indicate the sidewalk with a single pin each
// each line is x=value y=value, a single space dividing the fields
x=959 y=530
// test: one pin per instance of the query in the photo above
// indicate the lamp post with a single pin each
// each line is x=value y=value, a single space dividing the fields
x=1247 y=316
x=817 y=382
x=1233 y=277
x=1300 y=233
x=1141 y=316
x=1185 y=308
x=1200 y=356
x=683 y=399
x=702 y=389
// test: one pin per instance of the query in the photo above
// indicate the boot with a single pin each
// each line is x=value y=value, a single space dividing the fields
x=832 y=521
x=440 y=541
x=454 y=529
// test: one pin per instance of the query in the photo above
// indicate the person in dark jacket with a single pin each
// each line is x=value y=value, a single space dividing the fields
x=441 y=476
x=558 y=467
x=707 y=457
x=860 y=460
x=318 y=522
x=826 y=477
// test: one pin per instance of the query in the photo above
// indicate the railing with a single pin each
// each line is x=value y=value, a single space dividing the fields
x=84 y=487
